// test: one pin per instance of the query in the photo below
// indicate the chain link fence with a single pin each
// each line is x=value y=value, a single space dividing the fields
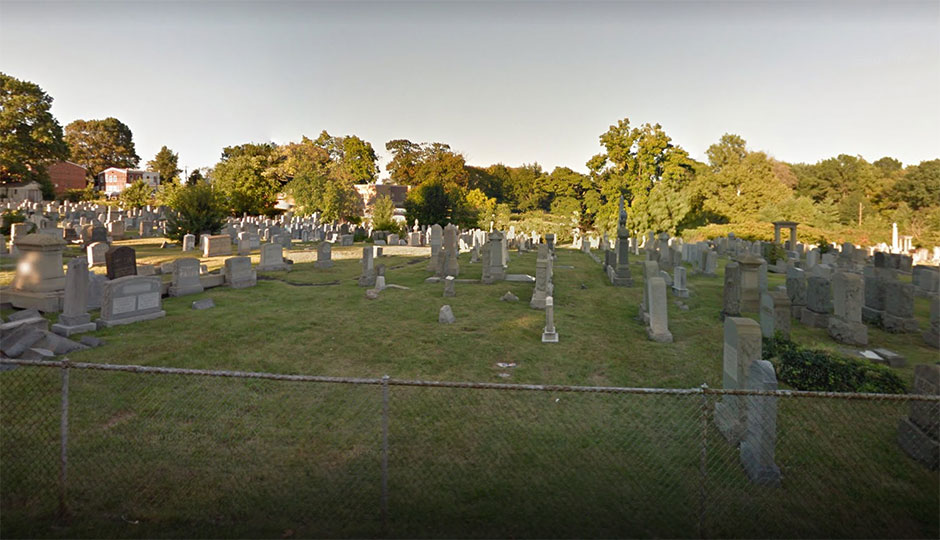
x=94 y=450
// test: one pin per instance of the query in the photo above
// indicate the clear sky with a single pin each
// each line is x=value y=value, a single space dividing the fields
x=500 y=82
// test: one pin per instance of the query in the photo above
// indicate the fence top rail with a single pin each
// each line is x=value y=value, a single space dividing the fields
x=386 y=380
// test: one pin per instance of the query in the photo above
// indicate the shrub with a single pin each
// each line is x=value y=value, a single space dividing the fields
x=383 y=211
x=200 y=209
x=137 y=195
x=820 y=370
x=9 y=217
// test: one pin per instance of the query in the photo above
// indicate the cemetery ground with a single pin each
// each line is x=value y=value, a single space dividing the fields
x=172 y=455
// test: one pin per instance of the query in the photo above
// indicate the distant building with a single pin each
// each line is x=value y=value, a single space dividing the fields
x=115 y=180
x=66 y=175
x=21 y=191
x=369 y=192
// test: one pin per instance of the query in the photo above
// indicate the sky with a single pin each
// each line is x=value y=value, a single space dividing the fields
x=500 y=82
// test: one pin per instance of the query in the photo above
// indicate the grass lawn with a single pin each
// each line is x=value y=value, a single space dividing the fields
x=172 y=456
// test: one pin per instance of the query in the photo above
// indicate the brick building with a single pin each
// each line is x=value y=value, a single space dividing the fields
x=114 y=180
x=66 y=175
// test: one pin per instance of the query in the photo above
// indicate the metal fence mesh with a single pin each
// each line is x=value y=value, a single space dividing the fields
x=193 y=455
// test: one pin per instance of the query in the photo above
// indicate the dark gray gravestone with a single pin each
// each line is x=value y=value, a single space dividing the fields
x=121 y=261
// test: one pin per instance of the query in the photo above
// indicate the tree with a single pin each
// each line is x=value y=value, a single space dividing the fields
x=30 y=137
x=353 y=160
x=243 y=181
x=99 y=144
x=383 y=212
x=198 y=209
x=137 y=195
x=729 y=150
x=485 y=207
x=738 y=190
x=406 y=157
x=834 y=179
x=166 y=163
x=920 y=185
x=635 y=162
x=194 y=177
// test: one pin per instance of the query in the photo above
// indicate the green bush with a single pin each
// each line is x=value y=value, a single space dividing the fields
x=773 y=252
x=200 y=209
x=8 y=218
x=820 y=370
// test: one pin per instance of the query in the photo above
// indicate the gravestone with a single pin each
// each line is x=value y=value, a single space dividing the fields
x=750 y=282
x=92 y=234
x=272 y=258
x=39 y=282
x=121 y=261
x=74 y=318
x=926 y=280
x=775 y=314
x=451 y=267
x=932 y=334
x=185 y=277
x=244 y=244
x=679 y=287
x=759 y=439
x=324 y=256
x=450 y=288
x=549 y=334
x=845 y=324
x=898 y=316
x=731 y=301
x=742 y=347
x=650 y=270
x=877 y=280
x=446 y=315
x=116 y=230
x=658 y=329
x=711 y=264
x=367 y=277
x=217 y=245
x=919 y=432
x=493 y=267
x=796 y=290
x=543 y=269
x=96 y=254
x=189 y=242
x=818 y=302
x=131 y=299
x=238 y=273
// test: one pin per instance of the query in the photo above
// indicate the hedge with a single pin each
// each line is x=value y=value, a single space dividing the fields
x=821 y=370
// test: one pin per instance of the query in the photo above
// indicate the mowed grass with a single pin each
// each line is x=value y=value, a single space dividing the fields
x=175 y=456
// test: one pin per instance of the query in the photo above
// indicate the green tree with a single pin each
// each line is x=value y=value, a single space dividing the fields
x=406 y=157
x=99 y=144
x=485 y=207
x=353 y=159
x=920 y=185
x=243 y=181
x=30 y=137
x=198 y=209
x=739 y=190
x=636 y=160
x=833 y=180
x=729 y=150
x=434 y=202
x=166 y=163
x=194 y=177
x=383 y=212
x=137 y=195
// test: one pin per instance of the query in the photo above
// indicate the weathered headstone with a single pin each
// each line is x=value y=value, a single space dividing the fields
x=845 y=324
x=39 y=282
x=189 y=242
x=74 y=318
x=185 y=277
x=919 y=433
x=549 y=334
x=450 y=288
x=658 y=329
x=324 y=256
x=272 y=258
x=367 y=277
x=239 y=273
x=775 y=314
x=450 y=266
x=131 y=299
x=217 y=246
x=742 y=347
x=818 y=302
x=731 y=301
x=679 y=283
x=796 y=290
x=95 y=254
x=759 y=439
x=543 y=270
x=446 y=315
x=899 y=308
x=932 y=334
x=493 y=268
x=750 y=282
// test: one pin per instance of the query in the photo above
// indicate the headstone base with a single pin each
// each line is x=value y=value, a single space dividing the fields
x=681 y=293
x=850 y=333
x=813 y=319
x=282 y=267
x=896 y=325
x=68 y=330
x=757 y=472
x=549 y=337
x=872 y=316
x=183 y=291
x=918 y=445
x=47 y=302
x=323 y=265
x=102 y=323
x=727 y=421
x=660 y=337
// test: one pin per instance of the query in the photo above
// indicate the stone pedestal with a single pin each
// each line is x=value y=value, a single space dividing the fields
x=74 y=318
x=750 y=282
x=39 y=282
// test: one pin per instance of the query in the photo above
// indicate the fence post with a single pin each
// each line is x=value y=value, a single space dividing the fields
x=64 y=442
x=703 y=465
x=385 y=455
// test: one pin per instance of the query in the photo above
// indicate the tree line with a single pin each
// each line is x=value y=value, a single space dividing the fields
x=666 y=190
